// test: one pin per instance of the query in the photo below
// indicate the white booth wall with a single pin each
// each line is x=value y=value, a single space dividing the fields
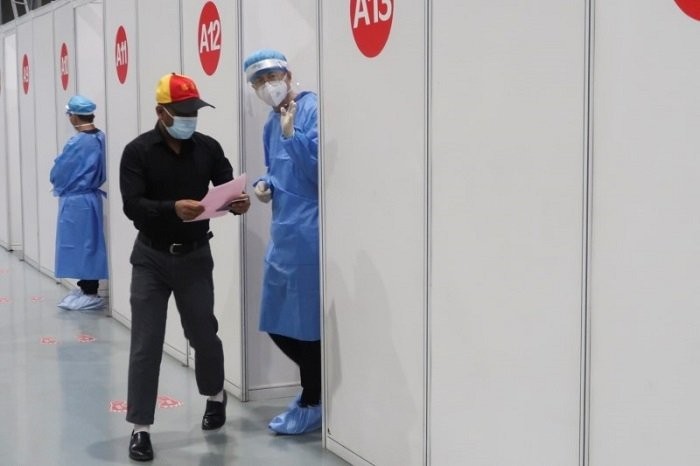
x=37 y=136
x=64 y=30
x=374 y=237
x=89 y=56
x=14 y=196
x=29 y=82
x=45 y=122
x=453 y=235
x=4 y=172
x=507 y=158
x=645 y=254
x=122 y=125
x=528 y=347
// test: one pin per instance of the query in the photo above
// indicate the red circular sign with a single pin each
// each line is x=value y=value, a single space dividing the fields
x=209 y=38
x=690 y=8
x=25 y=73
x=121 y=54
x=370 y=21
x=64 y=66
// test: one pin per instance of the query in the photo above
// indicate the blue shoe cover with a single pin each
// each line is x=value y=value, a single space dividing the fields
x=86 y=303
x=68 y=299
x=294 y=402
x=297 y=420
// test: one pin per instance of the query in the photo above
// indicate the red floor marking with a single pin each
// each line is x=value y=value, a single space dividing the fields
x=37 y=299
x=117 y=406
x=165 y=401
x=85 y=338
x=47 y=341
x=4 y=271
x=4 y=300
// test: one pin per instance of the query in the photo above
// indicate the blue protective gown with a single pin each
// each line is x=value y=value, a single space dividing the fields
x=290 y=296
x=77 y=175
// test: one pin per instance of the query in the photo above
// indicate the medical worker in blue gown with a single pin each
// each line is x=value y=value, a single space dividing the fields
x=77 y=175
x=290 y=308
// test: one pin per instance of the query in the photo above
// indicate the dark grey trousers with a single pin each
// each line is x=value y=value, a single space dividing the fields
x=155 y=275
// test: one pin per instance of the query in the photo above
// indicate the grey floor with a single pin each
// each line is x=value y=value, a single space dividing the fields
x=63 y=379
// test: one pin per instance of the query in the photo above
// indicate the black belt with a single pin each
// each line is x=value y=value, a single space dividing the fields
x=175 y=249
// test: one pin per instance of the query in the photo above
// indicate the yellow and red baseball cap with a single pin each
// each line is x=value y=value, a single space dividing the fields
x=180 y=93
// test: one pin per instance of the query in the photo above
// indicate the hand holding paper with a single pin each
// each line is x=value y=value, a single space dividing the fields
x=239 y=206
x=188 y=209
x=218 y=200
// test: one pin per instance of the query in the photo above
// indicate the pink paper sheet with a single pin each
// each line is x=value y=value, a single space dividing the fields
x=218 y=198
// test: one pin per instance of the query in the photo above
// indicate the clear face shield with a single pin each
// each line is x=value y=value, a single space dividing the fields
x=271 y=87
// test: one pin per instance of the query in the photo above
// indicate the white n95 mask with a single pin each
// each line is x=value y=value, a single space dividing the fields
x=272 y=92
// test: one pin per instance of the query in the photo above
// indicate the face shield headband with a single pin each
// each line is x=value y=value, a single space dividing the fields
x=270 y=63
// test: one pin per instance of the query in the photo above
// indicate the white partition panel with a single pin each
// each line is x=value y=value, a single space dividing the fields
x=507 y=158
x=90 y=72
x=4 y=172
x=122 y=125
x=210 y=53
x=157 y=46
x=645 y=249
x=44 y=135
x=12 y=84
x=60 y=129
x=158 y=52
x=64 y=33
x=30 y=80
x=373 y=124
x=290 y=27
x=89 y=56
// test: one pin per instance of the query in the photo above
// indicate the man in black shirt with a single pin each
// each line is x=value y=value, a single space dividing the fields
x=162 y=173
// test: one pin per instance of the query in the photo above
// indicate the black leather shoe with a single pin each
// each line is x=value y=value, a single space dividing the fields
x=140 y=448
x=214 y=414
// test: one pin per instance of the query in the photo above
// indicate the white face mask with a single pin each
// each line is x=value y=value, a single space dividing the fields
x=273 y=92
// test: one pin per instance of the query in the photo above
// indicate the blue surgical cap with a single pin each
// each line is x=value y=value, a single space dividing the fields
x=264 y=61
x=79 y=105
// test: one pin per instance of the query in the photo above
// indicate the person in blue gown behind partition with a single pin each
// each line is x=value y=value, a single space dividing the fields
x=290 y=307
x=77 y=174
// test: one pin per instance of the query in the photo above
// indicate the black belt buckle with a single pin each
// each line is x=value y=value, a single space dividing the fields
x=175 y=249
x=172 y=250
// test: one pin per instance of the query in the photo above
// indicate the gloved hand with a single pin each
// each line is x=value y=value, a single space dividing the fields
x=287 y=119
x=263 y=191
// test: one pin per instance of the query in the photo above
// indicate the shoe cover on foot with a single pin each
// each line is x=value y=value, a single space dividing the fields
x=295 y=402
x=68 y=299
x=298 y=420
x=86 y=303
